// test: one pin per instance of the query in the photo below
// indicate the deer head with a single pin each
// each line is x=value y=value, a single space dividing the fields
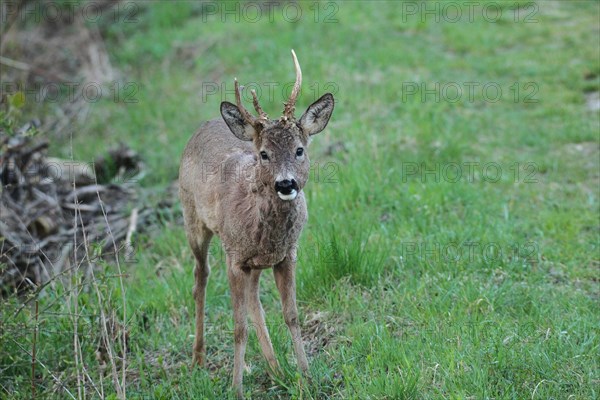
x=280 y=145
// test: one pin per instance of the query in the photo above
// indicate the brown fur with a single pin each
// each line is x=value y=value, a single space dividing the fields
x=256 y=227
x=227 y=189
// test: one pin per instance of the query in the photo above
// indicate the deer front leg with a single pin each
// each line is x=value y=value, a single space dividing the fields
x=239 y=282
x=257 y=315
x=285 y=279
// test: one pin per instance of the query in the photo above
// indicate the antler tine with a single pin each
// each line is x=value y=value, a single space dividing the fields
x=290 y=105
x=257 y=106
x=238 y=99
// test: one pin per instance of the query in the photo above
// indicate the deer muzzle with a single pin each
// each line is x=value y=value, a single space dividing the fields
x=287 y=189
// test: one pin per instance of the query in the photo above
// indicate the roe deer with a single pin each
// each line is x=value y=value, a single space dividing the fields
x=251 y=197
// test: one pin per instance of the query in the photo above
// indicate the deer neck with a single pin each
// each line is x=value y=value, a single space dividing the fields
x=271 y=205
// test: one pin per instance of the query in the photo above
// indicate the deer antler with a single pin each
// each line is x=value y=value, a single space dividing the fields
x=259 y=110
x=290 y=105
x=249 y=118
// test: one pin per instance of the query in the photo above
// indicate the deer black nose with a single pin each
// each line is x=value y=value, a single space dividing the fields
x=286 y=186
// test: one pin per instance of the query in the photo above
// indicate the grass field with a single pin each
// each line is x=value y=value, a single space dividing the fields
x=452 y=249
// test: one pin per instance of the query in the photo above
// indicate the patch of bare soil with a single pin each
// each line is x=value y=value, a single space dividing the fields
x=319 y=331
x=587 y=156
x=592 y=101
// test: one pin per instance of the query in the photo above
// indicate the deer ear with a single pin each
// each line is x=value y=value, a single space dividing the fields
x=317 y=115
x=236 y=123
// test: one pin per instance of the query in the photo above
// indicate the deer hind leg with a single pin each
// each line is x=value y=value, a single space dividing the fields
x=257 y=315
x=239 y=285
x=199 y=238
x=285 y=280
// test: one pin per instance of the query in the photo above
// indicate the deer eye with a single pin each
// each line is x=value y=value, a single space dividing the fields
x=299 y=152
x=264 y=155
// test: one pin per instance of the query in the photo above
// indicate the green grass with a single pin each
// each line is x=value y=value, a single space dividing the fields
x=409 y=285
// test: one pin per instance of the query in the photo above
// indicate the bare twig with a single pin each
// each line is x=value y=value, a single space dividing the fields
x=14 y=64
x=28 y=68
x=33 y=361
x=120 y=387
x=130 y=231
x=104 y=329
